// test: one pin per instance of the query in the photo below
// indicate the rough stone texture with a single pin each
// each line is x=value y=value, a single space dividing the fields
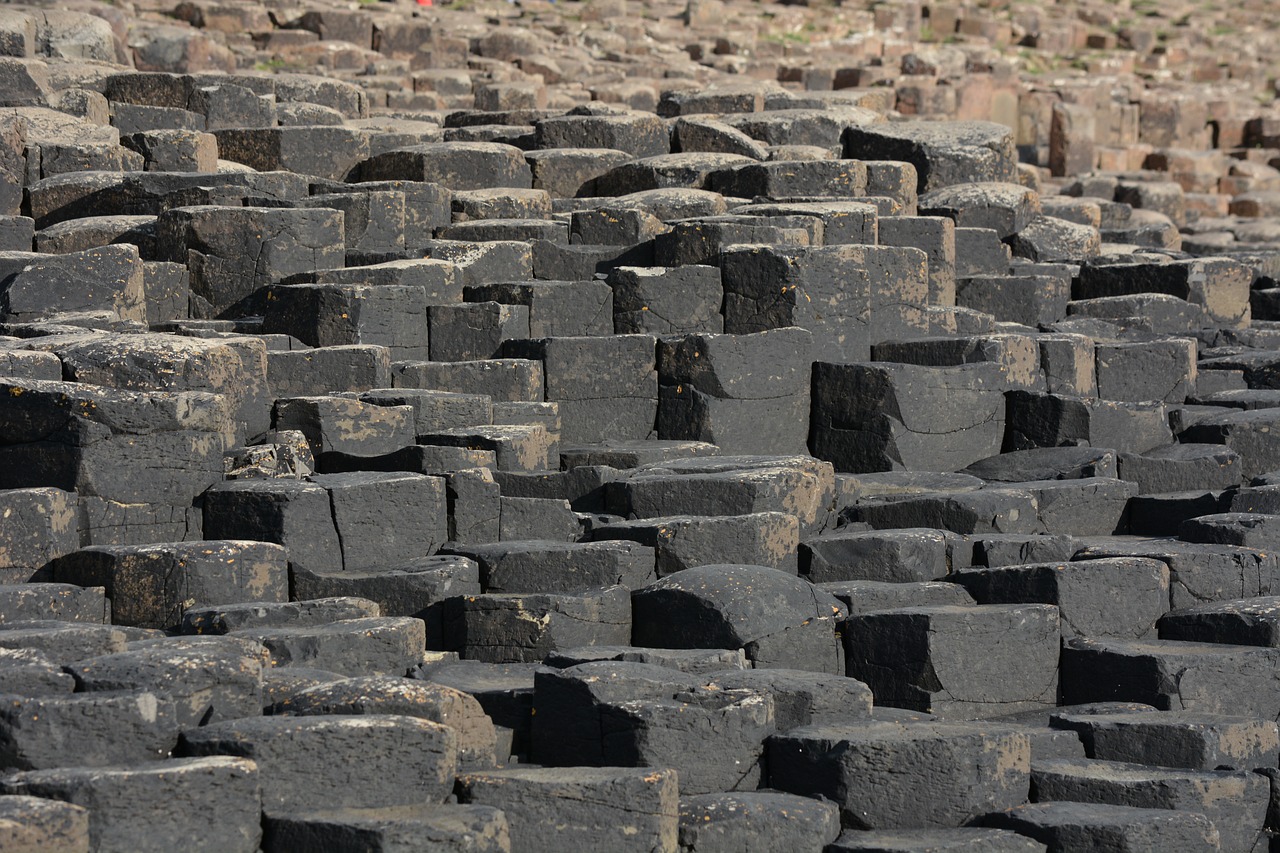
x=780 y=620
x=348 y=761
x=944 y=674
x=886 y=775
x=208 y=803
x=610 y=807
x=388 y=388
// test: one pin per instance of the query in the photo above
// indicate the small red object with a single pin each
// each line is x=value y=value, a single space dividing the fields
x=424 y=2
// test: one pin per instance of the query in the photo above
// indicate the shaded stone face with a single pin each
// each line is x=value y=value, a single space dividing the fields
x=892 y=775
x=943 y=153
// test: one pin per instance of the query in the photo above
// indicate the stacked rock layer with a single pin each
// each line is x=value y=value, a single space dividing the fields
x=639 y=425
